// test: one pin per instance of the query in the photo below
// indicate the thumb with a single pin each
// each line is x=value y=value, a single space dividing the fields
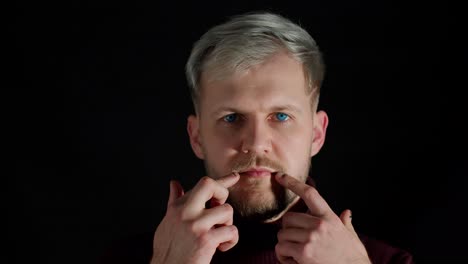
x=176 y=191
x=346 y=217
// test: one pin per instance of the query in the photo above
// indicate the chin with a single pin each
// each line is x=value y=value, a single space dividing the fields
x=258 y=206
x=254 y=194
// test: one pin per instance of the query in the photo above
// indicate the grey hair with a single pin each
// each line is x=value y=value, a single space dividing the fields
x=248 y=40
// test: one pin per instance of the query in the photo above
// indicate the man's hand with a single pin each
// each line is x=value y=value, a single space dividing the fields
x=191 y=233
x=318 y=236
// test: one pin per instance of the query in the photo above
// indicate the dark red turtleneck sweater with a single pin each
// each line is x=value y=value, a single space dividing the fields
x=256 y=245
x=138 y=250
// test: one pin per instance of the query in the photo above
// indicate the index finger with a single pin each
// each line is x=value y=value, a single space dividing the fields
x=228 y=180
x=225 y=181
x=208 y=189
x=316 y=204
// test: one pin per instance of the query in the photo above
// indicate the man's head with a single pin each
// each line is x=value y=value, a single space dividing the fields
x=255 y=84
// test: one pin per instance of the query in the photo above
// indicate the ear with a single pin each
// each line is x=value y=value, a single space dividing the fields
x=193 y=129
x=320 y=130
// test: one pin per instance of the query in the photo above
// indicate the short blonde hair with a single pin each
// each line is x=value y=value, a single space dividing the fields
x=248 y=40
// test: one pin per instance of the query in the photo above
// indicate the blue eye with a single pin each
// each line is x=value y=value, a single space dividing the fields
x=282 y=116
x=230 y=118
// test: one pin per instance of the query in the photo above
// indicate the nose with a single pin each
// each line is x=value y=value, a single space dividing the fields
x=256 y=137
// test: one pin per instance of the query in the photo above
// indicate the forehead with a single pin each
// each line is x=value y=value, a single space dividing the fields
x=278 y=80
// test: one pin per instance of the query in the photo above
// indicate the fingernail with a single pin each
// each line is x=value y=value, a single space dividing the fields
x=280 y=175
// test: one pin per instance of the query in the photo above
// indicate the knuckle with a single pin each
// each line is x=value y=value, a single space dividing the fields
x=206 y=182
x=192 y=227
x=228 y=209
x=234 y=234
x=323 y=227
x=280 y=235
x=311 y=238
x=308 y=252
x=304 y=250
x=278 y=249
x=235 y=231
x=204 y=241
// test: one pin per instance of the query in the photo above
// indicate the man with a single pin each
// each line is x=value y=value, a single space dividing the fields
x=255 y=83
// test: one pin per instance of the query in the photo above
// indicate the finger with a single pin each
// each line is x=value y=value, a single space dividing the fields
x=229 y=180
x=285 y=251
x=296 y=235
x=225 y=237
x=226 y=182
x=208 y=188
x=316 y=204
x=175 y=191
x=299 y=220
x=346 y=218
x=219 y=215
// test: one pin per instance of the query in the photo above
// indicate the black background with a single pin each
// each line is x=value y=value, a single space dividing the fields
x=100 y=104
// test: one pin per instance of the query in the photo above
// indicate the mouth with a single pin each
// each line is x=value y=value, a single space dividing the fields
x=257 y=172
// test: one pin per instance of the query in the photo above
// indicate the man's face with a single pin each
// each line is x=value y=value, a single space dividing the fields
x=258 y=122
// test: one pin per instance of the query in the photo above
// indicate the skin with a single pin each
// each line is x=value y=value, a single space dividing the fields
x=318 y=236
x=256 y=97
x=187 y=233
x=260 y=117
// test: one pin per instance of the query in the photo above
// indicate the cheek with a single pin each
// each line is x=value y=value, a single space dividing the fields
x=220 y=141
x=220 y=148
x=294 y=147
x=220 y=138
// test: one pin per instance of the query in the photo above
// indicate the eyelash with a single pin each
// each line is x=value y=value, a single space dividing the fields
x=288 y=118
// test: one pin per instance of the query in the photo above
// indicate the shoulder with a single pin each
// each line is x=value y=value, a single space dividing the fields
x=382 y=253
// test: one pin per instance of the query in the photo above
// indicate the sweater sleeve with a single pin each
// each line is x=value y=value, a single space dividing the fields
x=382 y=253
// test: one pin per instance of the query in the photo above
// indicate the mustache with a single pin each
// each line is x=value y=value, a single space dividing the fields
x=247 y=162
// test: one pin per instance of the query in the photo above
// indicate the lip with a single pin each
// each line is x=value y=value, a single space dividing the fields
x=257 y=172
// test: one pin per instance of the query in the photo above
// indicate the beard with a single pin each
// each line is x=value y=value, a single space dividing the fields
x=258 y=199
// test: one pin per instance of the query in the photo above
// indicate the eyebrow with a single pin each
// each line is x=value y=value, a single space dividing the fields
x=289 y=107
x=277 y=108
